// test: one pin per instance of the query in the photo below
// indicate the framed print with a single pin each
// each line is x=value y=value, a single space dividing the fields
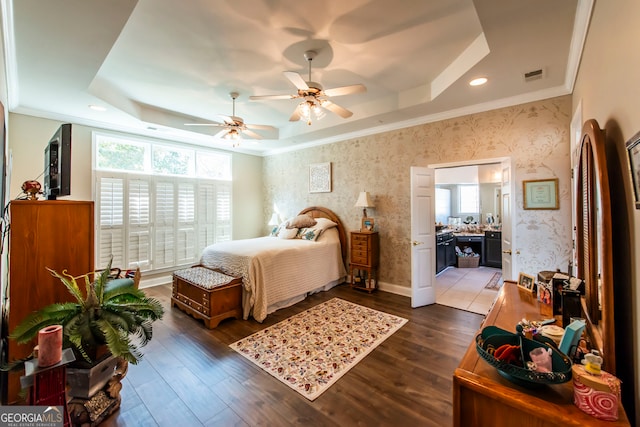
x=633 y=152
x=526 y=282
x=320 y=178
x=367 y=224
x=541 y=194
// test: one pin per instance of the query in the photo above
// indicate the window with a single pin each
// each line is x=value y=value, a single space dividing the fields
x=469 y=199
x=158 y=205
x=443 y=205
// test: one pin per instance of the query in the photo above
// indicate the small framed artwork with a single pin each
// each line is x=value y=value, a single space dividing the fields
x=367 y=224
x=545 y=292
x=526 y=282
x=541 y=194
x=320 y=178
x=633 y=152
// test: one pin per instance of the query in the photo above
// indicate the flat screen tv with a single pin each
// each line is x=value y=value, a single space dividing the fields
x=57 y=164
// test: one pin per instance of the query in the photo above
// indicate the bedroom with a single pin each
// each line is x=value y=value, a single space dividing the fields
x=364 y=162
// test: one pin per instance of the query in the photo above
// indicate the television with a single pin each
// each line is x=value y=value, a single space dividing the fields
x=57 y=164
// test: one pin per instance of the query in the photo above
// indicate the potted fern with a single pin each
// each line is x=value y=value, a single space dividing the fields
x=109 y=317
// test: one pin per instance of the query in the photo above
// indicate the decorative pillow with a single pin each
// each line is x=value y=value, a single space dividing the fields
x=301 y=221
x=324 y=224
x=288 y=233
x=276 y=229
x=309 y=233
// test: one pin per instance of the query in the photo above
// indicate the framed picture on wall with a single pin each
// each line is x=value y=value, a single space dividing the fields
x=320 y=178
x=633 y=152
x=540 y=194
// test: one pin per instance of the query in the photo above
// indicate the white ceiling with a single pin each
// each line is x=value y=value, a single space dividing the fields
x=157 y=64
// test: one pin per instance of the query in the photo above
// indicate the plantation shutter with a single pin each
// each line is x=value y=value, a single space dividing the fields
x=158 y=222
x=139 y=253
x=186 y=236
x=223 y=212
x=164 y=224
x=111 y=221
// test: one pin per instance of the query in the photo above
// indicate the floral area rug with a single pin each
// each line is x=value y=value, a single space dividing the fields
x=495 y=282
x=313 y=349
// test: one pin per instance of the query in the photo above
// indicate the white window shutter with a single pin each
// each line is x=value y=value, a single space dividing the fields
x=164 y=224
x=110 y=228
x=186 y=235
x=223 y=212
x=139 y=253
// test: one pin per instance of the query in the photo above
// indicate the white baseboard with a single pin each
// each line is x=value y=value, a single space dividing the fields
x=395 y=289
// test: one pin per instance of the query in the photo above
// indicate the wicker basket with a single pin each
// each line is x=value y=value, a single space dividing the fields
x=468 y=261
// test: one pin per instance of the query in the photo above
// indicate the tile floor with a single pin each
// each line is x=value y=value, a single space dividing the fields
x=463 y=288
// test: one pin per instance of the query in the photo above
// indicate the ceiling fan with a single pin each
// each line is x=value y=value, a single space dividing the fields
x=314 y=97
x=234 y=126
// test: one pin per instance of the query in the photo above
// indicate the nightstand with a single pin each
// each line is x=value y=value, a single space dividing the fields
x=364 y=258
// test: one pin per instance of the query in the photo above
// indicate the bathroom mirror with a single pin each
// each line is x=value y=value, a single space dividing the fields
x=594 y=242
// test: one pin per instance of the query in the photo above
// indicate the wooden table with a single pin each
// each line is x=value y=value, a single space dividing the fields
x=482 y=397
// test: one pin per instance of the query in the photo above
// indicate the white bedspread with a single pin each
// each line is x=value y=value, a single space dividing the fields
x=275 y=270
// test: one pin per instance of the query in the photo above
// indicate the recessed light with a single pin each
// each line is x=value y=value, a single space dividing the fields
x=97 y=108
x=477 y=82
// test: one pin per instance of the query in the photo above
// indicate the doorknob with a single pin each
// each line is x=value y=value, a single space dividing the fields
x=508 y=251
x=414 y=243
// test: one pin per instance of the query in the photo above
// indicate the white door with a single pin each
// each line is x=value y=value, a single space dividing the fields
x=509 y=258
x=423 y=237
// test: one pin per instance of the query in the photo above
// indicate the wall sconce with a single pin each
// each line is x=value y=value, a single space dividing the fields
x=364 y=201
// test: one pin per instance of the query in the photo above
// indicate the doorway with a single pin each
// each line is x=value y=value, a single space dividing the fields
x=471 y=206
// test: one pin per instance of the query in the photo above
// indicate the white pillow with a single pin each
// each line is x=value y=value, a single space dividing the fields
x=324 y=224
x=288 y=233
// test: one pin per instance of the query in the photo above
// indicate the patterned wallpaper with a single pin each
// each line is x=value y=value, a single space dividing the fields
x=534 y=135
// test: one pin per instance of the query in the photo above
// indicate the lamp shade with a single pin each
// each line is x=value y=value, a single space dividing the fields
x=274 y=219
x=364 y=200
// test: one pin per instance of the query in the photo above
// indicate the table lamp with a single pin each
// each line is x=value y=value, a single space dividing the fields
x=364 y=202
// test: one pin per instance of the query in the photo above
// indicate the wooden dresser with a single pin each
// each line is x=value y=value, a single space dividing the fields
x=55 y=234
x=364 y=258
x=482 y=397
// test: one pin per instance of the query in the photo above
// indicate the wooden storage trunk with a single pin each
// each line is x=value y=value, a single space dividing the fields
x=207 y=294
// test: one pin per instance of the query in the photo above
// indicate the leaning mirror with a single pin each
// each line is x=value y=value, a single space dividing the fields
x=594 y=241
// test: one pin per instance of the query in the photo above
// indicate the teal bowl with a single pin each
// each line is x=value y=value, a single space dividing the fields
x=492 y=337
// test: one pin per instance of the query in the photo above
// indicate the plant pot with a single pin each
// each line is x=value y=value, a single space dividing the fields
x=85 y=382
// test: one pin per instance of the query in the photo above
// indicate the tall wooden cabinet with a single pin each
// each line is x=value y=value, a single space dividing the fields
x=365 y=254
x=55 y=234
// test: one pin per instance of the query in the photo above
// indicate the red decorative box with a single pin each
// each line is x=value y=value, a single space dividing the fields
x=596 y=395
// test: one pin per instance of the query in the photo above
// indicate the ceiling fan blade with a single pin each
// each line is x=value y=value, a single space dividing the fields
x=335 y=108
x=297 y=80
x=251 y=134
x=261 y=97
x=226 y=119
x=204 y=124
x=259 y=127
x=221 y=134
x=345 y=90
x=295 y=116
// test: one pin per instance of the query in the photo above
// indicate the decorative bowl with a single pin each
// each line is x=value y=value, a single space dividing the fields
x=492 y=337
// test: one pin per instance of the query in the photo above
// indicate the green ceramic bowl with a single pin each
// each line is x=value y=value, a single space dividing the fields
x=492 y=337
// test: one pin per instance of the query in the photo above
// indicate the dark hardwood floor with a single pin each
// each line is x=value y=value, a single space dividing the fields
x=190 y=377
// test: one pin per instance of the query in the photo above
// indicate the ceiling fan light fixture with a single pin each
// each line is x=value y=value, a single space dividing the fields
x=310 y=110
x=232 y=134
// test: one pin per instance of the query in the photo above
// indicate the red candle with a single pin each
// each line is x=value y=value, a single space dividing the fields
x=49 y=345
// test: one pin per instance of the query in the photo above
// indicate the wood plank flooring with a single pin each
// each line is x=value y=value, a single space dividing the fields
x=189 y=376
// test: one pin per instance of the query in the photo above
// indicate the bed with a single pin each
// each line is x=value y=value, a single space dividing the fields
x=277 y=271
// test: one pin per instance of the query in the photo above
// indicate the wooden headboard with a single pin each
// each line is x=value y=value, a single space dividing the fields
x=320 y=212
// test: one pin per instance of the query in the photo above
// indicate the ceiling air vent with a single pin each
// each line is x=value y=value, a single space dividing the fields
x=533 y=75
